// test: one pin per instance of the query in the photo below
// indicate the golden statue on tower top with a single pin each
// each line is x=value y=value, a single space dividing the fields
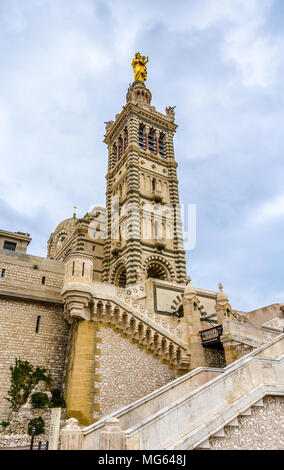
x=139 y=67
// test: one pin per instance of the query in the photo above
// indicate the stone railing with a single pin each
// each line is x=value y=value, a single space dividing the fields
x=188 y=421
x=144 y=407
x=251 y=335
x=113 y=306
x=157 y=319
x=179 y=416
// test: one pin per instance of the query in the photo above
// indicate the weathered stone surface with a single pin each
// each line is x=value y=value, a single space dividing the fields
x=127 y=372
x=18 y=338
x=16 y=434
x=263 y=430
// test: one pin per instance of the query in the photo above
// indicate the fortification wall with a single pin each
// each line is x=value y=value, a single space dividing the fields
x=19 y=339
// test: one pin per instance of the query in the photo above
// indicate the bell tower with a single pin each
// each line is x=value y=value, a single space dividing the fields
x=144 y=231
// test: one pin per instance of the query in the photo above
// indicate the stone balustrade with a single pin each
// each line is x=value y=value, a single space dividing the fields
x=188 y=421
x=144 y=407
x=248 y=334
x=120 y=311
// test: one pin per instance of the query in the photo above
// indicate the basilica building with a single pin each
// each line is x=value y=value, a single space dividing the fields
x=145 y=359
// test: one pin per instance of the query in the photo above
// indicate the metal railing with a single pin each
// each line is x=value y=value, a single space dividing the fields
x=39 y=442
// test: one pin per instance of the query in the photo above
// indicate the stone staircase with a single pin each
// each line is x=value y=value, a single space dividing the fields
x=235 y=424
x=260 y=427
x=192 y=411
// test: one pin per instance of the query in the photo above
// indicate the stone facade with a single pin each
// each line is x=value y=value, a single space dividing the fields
x=141 y=174
x=24 y=273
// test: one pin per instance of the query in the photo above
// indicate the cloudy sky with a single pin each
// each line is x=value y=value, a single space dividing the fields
x=65 y=69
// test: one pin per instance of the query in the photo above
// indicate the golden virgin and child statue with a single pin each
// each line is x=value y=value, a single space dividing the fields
x=139 y=67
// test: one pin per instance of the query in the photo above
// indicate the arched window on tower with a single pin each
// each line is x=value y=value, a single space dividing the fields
x=153 y=184
x=120 y=148
x=114 y=157
x=125 y=139
x=161 y=146
x=156 y=271
x=151 y=141
x=141 y=137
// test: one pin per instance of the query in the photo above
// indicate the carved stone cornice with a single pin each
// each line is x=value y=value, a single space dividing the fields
x=138 y=111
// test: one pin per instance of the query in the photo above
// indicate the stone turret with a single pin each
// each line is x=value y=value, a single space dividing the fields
x=137 y=92
x=223 y=307
x=82 y=369
x=77 y=287
x=224 y=311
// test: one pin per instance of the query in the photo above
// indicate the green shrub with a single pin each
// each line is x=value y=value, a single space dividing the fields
x=24 y=376
x=4 y=424
x=39 y=399
x=57 y=400
x=38 y=424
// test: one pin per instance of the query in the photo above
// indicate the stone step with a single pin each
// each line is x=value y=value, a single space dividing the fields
x=246 y=412
x=205 y=445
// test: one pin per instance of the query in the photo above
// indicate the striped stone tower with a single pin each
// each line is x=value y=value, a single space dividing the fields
x=144 y=232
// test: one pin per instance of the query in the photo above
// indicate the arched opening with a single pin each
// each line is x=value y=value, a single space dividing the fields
x=120 y=277
x=156 y=271
x=180 y=312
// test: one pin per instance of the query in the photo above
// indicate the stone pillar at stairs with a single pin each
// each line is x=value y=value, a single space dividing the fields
x=193 y=327
x=223 y=310
x=84 y=348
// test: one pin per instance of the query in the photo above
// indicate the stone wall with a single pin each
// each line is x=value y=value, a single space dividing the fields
x=16 y=433
x=215 y=357
x=243 y=350
x=18 y=339
x=263 y=430
x=30 y=270
x=127 y=372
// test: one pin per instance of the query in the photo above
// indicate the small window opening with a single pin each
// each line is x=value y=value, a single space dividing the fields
x=83 y=269
x=10 y=246
x=43 y=280
x=73 y=268
x=37 y=324
x=3 y=272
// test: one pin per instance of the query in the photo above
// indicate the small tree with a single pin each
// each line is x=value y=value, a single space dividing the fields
x=24 y=376
x=38 y=424
x=39 y=400
x=57 y=400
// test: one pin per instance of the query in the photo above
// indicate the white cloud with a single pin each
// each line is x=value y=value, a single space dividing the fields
x=254 y=51
x=270 y=210
x=65 y=70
